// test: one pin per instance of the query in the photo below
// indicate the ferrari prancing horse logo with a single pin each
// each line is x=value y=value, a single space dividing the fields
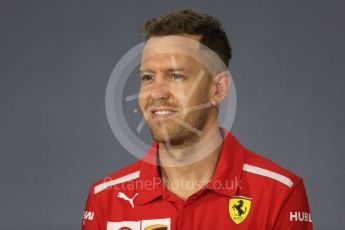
x=239 y=207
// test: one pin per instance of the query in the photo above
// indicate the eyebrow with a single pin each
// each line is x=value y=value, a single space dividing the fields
x=145 y=71
x=179 y=69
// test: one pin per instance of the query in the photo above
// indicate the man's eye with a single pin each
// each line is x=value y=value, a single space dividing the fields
x=146 y=77
x=176 y=76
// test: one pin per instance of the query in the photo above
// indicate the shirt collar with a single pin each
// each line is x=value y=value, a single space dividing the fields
x=227 y=176
x=150 y=185
x=225 y=180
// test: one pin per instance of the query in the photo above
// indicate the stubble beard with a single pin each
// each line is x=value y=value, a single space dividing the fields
x=178 y=136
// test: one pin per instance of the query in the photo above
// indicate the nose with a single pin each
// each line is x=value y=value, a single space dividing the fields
x=159 y=89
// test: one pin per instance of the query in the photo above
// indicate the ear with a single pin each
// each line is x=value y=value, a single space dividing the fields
x=220 y=87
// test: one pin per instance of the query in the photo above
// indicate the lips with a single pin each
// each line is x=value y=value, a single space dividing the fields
x=162 y=113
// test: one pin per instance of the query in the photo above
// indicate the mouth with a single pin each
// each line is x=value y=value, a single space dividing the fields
x=162 y=113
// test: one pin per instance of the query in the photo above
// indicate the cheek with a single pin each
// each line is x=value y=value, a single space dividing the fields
x=180 y=96
x=141 y=100
x=200 y=94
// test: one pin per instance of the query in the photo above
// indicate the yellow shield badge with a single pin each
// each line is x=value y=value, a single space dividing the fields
x=239 y=208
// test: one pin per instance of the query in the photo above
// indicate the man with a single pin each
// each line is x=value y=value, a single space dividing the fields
x=196 y=175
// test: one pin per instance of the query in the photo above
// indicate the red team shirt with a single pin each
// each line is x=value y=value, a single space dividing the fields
x=247 y=191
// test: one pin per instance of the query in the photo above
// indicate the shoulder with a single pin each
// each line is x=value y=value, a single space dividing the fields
x=261 y=168
x=258 y=166
x=258 y=170
x=275 y=192
x=122 y=176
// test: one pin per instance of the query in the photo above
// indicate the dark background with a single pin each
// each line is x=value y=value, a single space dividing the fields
x=56 y=58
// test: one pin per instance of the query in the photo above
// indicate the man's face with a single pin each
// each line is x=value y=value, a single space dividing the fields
x=173 y=83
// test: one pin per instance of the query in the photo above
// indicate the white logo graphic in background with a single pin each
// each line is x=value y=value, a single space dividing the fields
x=125 y=197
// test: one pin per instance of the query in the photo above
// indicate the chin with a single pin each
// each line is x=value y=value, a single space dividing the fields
x=160 y=137
x=175 y=140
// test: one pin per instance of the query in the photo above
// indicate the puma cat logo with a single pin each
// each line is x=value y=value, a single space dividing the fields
x=125 y=197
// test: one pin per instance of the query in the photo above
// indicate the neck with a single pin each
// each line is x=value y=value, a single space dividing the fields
x=194 y=165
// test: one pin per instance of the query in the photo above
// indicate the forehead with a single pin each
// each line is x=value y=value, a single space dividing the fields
x=173 y=42
x=171 y=48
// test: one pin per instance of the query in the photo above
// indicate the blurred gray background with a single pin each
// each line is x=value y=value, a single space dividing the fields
x=57 y=56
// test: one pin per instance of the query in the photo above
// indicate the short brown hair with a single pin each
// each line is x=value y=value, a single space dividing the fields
x=188 y=21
